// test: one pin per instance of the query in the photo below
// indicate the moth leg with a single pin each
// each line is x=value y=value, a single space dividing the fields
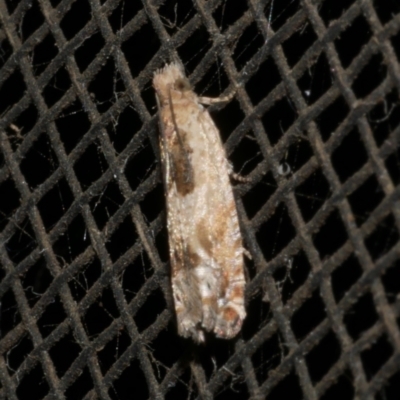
x=239 y=178
x=210 y=100
x=235 y=176
x=247 y=254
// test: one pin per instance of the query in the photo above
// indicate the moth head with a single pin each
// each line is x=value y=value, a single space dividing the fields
x=182 y=84
x=171 y=77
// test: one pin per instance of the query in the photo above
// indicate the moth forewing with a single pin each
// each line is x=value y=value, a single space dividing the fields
x=204 y=238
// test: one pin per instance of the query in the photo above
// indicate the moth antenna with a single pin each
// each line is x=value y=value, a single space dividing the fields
x=179 y=136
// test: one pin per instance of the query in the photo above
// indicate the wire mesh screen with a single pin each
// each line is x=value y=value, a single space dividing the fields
x=314 y=126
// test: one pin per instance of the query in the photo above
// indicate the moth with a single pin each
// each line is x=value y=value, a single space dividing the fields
x=205 y=244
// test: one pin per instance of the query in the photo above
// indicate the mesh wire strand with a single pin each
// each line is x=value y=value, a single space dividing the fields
x=86 y=307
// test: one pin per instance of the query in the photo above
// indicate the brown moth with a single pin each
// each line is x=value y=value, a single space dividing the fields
x=205 y=243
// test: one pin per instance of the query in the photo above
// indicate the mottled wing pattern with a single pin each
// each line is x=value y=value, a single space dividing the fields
x=204 y=238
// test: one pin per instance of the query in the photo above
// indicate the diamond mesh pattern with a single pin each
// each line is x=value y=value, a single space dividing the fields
x=86 y=307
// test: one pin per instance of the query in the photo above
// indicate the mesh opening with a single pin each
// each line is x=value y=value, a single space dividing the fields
x=86 y=308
